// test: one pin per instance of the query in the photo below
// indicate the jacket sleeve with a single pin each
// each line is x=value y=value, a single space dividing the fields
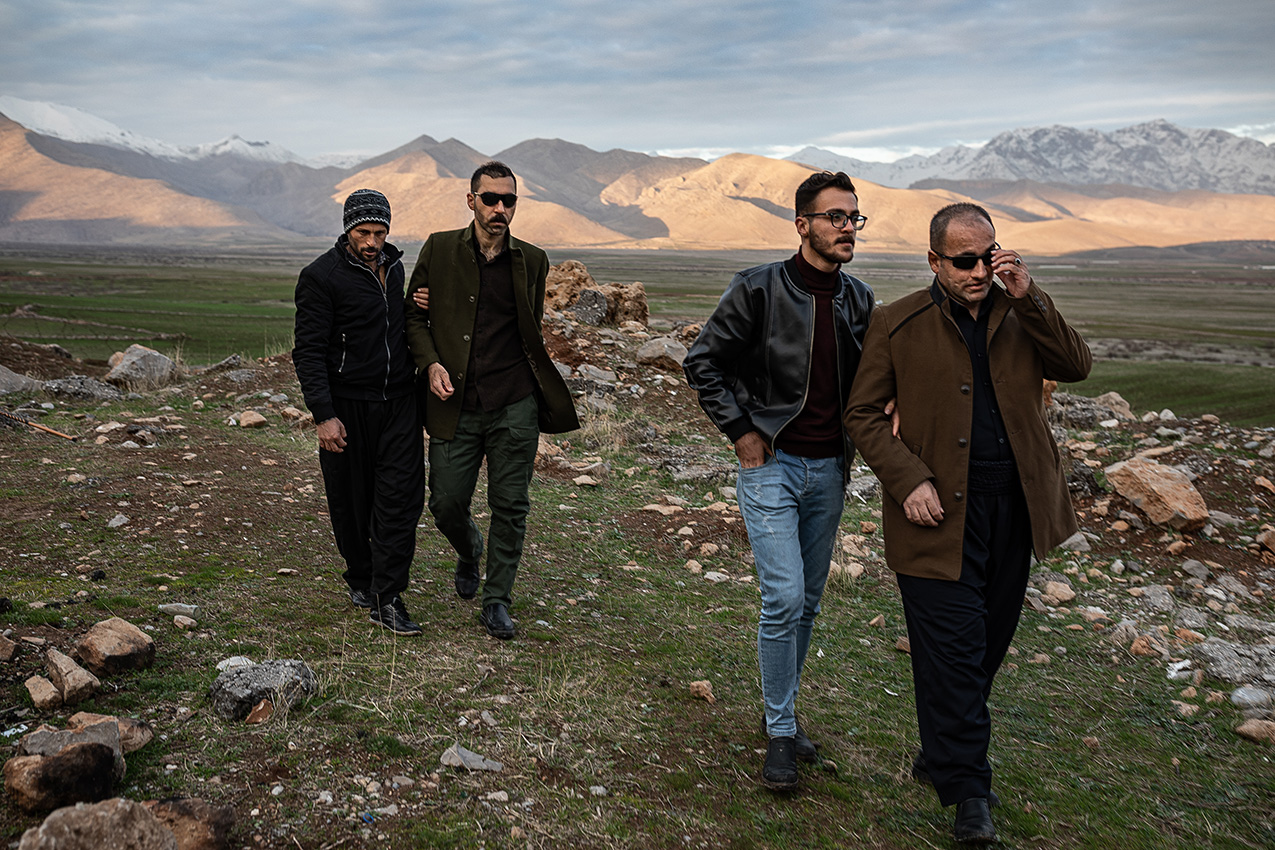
x=711 y=363
x=313 y=334
x=420 y=340
x=899 y=470
x=541 y=276
x=1063 y=352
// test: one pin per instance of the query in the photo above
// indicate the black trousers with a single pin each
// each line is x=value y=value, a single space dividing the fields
x=960 y=632
x=376 y=490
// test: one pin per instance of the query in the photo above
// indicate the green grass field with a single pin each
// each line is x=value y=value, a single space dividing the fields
x=205 y=307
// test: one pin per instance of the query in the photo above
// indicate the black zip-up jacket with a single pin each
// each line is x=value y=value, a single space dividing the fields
x=350 y=339
x=751 y=362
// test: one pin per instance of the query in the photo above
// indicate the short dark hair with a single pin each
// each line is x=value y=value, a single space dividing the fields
x=945 y=216
x=816 y=183
x=494 y=170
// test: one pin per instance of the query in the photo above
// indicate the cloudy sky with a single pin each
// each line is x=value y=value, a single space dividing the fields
x=874 y=79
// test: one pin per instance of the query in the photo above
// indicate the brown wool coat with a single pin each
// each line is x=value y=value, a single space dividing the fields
x=914 y=352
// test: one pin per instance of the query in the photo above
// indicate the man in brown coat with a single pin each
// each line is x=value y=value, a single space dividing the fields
x=971 y=484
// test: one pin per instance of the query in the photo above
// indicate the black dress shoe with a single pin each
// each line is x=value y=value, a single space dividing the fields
x=807 y=750
x=393 y=616
x=361 y=597
x=466 y=578
x=921 y=773
x=496 y=620
x=779 y=773
x=973 y=822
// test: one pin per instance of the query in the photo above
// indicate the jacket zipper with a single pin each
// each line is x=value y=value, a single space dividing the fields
x=810 y=355
x=344 y=350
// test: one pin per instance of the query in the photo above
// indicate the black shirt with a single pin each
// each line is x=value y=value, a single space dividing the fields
x=987 y=430
x=499 y=373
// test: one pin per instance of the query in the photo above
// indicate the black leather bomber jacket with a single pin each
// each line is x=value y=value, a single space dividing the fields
x=751 y=362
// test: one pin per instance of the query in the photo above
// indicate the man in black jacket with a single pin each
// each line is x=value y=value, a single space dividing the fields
x=773 y=368
x=359 y=382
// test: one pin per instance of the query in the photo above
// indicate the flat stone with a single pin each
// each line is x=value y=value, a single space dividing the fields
x=1165 y=494
x=664 y=352
x=1251 y=697
x=48 y=741
x=134 y=733
x=1261 y=731
x=72 y=681
x=195 y=823
x=251 y=419
x=458 y=756
x=43 y=693
x=174 y=609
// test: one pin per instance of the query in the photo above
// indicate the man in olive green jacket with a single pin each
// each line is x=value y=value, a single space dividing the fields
x=474 y=307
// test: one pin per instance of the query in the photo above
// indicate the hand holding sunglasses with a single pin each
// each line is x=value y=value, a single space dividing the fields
x=1006 y=265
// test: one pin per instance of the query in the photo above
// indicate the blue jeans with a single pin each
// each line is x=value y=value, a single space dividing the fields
x=791 y=507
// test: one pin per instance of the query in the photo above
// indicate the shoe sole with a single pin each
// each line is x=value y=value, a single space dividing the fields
x=403 y=632
x=779 y=786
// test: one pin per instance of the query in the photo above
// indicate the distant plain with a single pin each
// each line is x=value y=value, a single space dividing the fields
x=1192 y=333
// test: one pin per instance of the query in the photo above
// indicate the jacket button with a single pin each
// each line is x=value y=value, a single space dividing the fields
x=962 y=442
x=460 y=376
x=471 y=299
x=965 y=389
x=959 y=496
x=465 y=337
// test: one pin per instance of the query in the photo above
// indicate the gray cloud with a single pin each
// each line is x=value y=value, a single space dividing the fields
x=318 y=76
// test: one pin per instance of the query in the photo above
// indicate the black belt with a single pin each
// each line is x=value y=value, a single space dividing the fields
x=992 y=477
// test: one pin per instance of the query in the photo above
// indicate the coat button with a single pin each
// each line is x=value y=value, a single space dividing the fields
x=465 y=337
x=958 y=495
x=471 y=299
x=962 y=442
x=965 y=389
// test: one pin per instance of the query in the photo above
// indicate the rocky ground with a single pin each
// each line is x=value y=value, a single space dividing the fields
x=1177 y=573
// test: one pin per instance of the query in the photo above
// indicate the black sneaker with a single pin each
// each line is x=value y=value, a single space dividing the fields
x=779 y=773
x=361 y=597
x=466 y=578
x=807 y=750
x=393 y=616
x=496 y=620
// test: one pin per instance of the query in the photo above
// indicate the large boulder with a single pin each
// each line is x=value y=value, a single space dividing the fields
x=12 y=382
x=236 y=691
x=48 y=741
x=115 y=645
x=626 y=302
x=115 y=823
x=80 y=773
x=565 y=282
x=1164 y=493
x=139 y=367
x=590 y=308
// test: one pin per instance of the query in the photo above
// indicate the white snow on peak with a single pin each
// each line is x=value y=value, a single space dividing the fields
x=75 y=125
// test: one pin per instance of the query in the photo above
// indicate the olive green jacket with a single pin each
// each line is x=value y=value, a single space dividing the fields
x=448 y=268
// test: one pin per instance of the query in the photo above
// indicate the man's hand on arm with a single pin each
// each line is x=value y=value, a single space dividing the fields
x=922 y=505
x=439 y=382
x=751 y=450
x=421 y=298
x=331 y=435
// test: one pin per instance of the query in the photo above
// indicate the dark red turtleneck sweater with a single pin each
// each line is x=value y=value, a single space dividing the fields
x=816 y=432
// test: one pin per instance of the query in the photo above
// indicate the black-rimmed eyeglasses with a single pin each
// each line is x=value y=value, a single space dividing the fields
x=965 y=262
x=840 y=219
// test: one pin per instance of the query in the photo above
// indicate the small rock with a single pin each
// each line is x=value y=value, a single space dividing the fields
x=251 y=419
x=1251 y=697
x=183 y=622
x=80 y=773
x=903 y=645
x=458 y=756
x=115 y=823
x=598 y=790
x=74 y=682
x=195 y=823
x=703 y=689
x=174 y=609
x=43 y=693
x=261 y=712
x=116 y=521
x=1261 y=731
x=716 y=577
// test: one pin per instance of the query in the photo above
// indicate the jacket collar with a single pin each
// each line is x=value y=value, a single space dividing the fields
x=793 y=273
x=996 y=303
x=515 y=245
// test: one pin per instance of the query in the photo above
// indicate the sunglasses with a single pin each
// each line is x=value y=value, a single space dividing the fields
x=965 y=262
x=490 y=199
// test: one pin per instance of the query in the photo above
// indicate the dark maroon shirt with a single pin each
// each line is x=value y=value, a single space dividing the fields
x=816 y=432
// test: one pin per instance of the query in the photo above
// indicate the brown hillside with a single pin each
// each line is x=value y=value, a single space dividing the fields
x=42 y=200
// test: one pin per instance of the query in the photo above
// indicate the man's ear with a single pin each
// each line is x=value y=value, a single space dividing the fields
x=803 y=226
x=934 y=261
x=469 y=199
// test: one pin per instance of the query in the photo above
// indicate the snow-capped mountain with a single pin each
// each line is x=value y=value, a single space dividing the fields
x=75 y=125
x=1154 y=155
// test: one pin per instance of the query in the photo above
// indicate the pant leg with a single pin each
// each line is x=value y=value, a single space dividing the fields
x=513 y=436
x=348 y=481
x=453 y=472
x=821 y=503
x=768 y=501
x=958 y=641
x=398 y=495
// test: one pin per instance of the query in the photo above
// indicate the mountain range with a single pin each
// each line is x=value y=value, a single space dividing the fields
x=68 y=177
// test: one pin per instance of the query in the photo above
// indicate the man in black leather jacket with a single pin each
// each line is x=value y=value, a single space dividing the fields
x=773 y=368
x=359 y=382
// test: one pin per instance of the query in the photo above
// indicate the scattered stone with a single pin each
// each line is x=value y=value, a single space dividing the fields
x=1195 y=569
x=903 y=645
x=82 y=387
x=115 y=823
x=117 y=520
x=1231 y=662
x=598 y=790
x=590 y=307
x=251 y=419
x=1157 y=599
x=195 y=823
x=72 y=681
x=234 y=661
x=1076 y=543
x=497 y=796
x=1116 y=404
x=1146 y=646
x=663 y=352
x=584 y=481
x=8 y=649
x=115 y=645
x=80 y=773
x=694 y=566
x=877 y=622
x=134 y=734
x=141 y=368
x=1189 y=636
x=175 y=609
x=716 y=577
x=1260 y=731
x=261 y=712
x=48 y=741
x=1162 y=492
x=1185 y=709
x=458 y=756
x=43 y=693
x=703 y=689
x=236 y=691
x=1251 y=697
x=1058 y=592
x=183 y=622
